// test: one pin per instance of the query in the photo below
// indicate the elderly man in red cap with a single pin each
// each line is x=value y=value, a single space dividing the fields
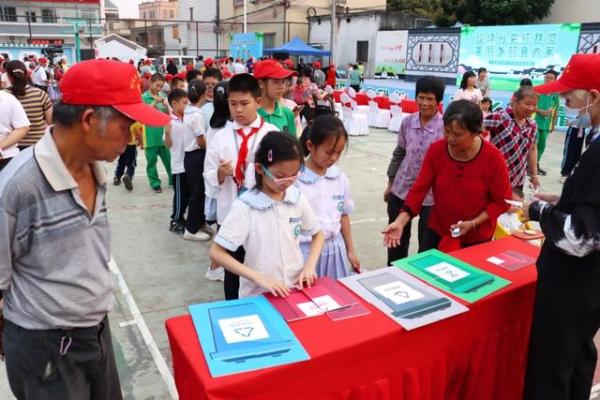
x=562 y=354
x=55 y=239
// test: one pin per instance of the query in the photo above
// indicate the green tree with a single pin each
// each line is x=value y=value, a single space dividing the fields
x=502 y=12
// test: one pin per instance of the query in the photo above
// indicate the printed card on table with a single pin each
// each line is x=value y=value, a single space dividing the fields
x=405 y=299
x=452 y=275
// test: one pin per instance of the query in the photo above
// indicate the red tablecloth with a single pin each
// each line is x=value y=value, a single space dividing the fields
x=336 y=95
x=362 y=99
x=383 y=102
x=479 y=355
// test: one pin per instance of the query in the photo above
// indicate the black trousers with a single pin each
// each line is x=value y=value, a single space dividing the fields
x=127 y=162
x=181 y=194
x=231 y=285
x=194 y=168
x=562 y=354
x=394 y=206
x=574 y=140
x=38 y=370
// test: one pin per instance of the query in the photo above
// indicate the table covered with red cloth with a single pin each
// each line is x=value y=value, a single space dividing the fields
x=478 y=355
x=362 y=99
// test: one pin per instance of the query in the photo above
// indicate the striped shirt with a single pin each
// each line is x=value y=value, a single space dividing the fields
x=35 y=102
x=53 y=255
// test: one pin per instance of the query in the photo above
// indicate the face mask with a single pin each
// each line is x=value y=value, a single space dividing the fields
x=579 y=118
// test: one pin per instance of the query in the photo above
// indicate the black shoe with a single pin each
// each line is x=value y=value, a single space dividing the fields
x=127 y=182
x=541 y=172
x=116 y=181
x=157 y=190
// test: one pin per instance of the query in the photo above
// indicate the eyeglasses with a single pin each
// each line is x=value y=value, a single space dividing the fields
x=289 y=179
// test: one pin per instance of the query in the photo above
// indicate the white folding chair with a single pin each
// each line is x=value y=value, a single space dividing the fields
x=378 y=118
x=356 y=124
x=396 y=111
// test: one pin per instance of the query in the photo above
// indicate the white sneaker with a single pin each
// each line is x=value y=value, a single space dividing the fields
x=217 y=274
x=199 y=236
x=562 y=179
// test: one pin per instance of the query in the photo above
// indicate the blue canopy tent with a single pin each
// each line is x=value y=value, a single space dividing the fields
x=297 y=47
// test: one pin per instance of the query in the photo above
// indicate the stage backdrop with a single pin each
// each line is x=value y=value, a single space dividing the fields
x=511 y=53
x=246 y=45
x=390 y=52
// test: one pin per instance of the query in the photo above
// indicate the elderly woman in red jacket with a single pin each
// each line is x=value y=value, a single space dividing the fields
x=469 y=180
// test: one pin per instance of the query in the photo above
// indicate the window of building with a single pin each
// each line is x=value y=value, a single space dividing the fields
x=152 y=14
x=8 y=14
x=144 y=14
x=31 y=17
x=175 y=31
x=171 y=14
x=89 y=15
x=165 y=14
x=362 y=51
x=49 y=15
x=269 y=40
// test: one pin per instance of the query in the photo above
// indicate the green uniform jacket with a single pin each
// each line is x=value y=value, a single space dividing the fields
x=282 y=117
x=154 y=135
x=546 y=102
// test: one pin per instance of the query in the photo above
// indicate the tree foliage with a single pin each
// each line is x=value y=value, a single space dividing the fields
x=476 y=12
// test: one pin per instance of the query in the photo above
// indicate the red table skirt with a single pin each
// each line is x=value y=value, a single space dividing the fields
x=479 y=355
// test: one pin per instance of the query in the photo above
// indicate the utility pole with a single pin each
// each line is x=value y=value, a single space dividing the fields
x=333 y=31
x=245 y=16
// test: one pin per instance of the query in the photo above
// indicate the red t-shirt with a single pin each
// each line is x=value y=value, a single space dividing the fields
x=462 y=190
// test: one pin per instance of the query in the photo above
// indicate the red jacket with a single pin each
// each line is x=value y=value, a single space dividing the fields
x=462 y=191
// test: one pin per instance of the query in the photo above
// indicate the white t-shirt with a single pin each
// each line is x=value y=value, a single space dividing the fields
x=5 y=81
x=12 y=116
x=471 y=95
x=270 y=232
x=238 y=68
x=225 y=146
x=177 y=148
x=329 y=196
x=208 y=109
x=39 y=77
x=193 y=119
x=210 y=190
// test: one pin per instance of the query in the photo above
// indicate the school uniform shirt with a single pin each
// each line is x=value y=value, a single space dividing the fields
x=281 y=117
x=270 y=232
x=208 y=109
x=225 y=146
x=210 y=190
x=177 y=148
x=193 y=119
x=39 y=77
x=329 y=196
x=12 y=116
x=153 y=135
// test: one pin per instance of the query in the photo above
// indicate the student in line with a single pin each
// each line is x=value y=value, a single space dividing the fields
x=268 y=221
x=174 y=140
x=328 y=190
x=230 y=157
x=193 y=161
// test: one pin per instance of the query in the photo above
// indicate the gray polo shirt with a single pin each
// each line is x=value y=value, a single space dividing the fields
x=53 y=255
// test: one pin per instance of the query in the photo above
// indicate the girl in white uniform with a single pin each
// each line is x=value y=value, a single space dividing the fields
x=268 y=222
x=328 y=190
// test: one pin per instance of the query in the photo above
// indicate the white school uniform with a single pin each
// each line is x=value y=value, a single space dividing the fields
x=330 y=198
x=210 y=191
x=270 y=232
x=226 y=146
x=193 y=119
x=177 y=149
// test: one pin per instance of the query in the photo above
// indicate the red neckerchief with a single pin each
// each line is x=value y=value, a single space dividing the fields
x=240 y=166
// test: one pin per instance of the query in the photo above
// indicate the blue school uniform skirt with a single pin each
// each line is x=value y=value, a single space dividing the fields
x=333 y=261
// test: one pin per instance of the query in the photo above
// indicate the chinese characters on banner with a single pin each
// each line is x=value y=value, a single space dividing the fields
x=390 y=52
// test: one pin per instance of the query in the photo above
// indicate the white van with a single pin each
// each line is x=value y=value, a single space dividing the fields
x=180 y=61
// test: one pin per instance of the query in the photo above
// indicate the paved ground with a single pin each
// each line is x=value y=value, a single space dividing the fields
x=157 y=274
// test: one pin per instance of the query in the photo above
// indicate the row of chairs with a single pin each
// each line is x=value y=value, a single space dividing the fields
x=357 y=119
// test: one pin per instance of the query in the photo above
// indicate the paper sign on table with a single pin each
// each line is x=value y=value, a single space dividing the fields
x=452 y=275
x=325 y=296
x=403 y=298
x=244 y=335
x=511 y=260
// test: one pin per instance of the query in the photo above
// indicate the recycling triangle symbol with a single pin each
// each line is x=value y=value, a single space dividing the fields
x=245 y=332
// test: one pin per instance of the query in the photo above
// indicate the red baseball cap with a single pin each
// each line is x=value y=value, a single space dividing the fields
x=317 y=65
x=580 y=73
x=109 y=83
x=208 y=62
x=168 y=77
x=42 y=60
x=271 y=69
x=289 y=63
